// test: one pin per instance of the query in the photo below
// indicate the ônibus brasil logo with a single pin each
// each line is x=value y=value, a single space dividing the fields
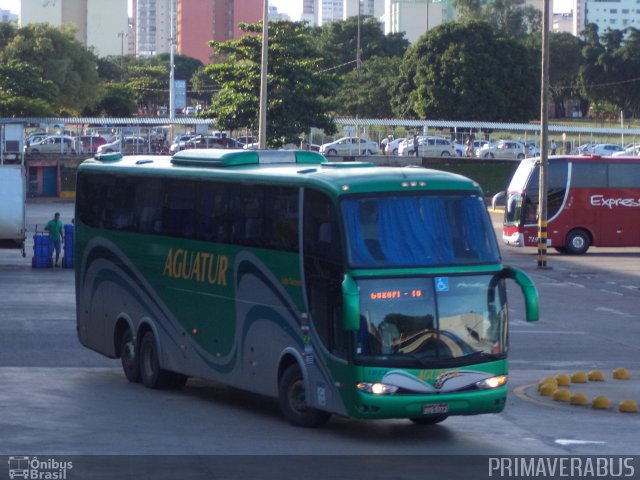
x=33 y=468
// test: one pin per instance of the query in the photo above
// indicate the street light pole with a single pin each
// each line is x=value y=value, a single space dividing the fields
x=262 y=124
x=121 y=35
x=544 y=127
x=358 y=40
x=172 y=50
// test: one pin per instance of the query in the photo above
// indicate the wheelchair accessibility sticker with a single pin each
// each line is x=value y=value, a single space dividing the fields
x=442 y=284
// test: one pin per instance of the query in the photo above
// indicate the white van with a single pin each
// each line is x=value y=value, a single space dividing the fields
x=12 y=200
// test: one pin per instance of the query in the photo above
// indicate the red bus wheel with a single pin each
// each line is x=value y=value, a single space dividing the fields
x=578 y=242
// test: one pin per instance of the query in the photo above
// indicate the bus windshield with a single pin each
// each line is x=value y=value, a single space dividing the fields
x=422 y=321
x=418 y=230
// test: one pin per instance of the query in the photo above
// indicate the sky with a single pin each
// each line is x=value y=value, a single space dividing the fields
x=293 y=8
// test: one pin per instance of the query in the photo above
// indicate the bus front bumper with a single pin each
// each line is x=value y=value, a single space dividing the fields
x=516 y=239
x=371 y=406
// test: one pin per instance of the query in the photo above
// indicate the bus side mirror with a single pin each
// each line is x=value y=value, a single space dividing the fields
x=497 y=199
x=529 y=290
x=351 y=304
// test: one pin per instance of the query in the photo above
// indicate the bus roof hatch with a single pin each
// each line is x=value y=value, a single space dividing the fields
x=233 y=158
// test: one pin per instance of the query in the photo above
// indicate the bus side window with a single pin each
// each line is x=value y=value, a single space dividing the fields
x=212 y=205
x=179 y=209
x=147 y=205
x=118 y=211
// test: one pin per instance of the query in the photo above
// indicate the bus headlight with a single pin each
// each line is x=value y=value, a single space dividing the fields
x=377 y=388
x=492 y=382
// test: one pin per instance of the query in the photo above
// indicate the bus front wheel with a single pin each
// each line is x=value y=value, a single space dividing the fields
x=129 y=357
x=151 y=374
x=292 y=399
x=577 y=242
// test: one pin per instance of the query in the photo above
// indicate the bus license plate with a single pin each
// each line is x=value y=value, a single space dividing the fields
x=435 y=408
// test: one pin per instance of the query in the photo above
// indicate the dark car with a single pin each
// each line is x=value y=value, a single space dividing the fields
x=90 y=143
x=212 y=141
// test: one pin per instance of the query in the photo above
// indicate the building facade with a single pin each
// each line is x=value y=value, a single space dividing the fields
x=415 y=17
x=613 y=14
x=152 y=20
x=199 y=21
x=6 y=16
x=97 y=24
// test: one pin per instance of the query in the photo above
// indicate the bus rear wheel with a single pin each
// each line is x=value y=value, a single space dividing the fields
x=292 y=399
x=578 y=242
x=432 y=420
x=151 y=374
x=129 y=357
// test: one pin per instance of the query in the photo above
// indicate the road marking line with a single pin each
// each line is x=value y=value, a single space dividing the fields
x=611 y=310
x=612 y=292
x=567 y=441
x=552 y=332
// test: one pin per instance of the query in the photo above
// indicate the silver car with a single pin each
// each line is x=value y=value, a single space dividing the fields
x=350 y=146
x=429 y=146
x=61 y=144
x=504 y=149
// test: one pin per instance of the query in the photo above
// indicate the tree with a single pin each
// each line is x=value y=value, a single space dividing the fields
x=117 y=101
x=565 y=59
x=466 y=71
x=510 y=17
x=298 y=89
x=24 y=91
x=365 y=93
x=338 y=42
x=610 y=70
x=149 y=85
x=61 y=58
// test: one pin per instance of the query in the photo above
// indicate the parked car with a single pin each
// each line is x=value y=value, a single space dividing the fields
x=630 y=151
x=428 y=146
x=126 y=145
x=583 y=149
x=212 y=141
x=180 y=143
x=35 y=138
x=350 y=146
x=53 y=144
x=392 y=146
x=504 y=149
x=460 y=148
x=532 y=149
x=190 y=110
x=246 y=139
x=605 y=149
x=90 y=143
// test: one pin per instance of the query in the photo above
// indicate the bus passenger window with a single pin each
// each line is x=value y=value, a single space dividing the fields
x=179 y=214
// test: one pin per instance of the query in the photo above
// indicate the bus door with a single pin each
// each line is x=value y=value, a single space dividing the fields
x=323 y=270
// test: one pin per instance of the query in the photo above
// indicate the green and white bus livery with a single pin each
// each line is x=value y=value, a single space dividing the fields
x=346 y=288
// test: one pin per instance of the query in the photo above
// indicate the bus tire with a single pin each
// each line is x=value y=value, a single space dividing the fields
x=578 y=242
x=432 y=420
x=291 y=397
x=151 y=374
x=129 y=357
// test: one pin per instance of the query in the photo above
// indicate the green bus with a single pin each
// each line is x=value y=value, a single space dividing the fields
x=347 y=288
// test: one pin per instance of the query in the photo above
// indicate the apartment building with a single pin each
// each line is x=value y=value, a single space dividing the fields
x=98 y=25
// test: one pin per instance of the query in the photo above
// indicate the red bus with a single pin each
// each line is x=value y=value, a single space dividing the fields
x=591 y=201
